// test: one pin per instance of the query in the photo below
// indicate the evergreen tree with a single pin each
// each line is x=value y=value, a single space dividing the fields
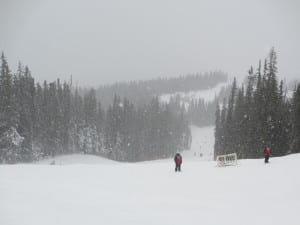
x=272 y=103
x=10 y=140
x=66 y=118
x=249 y=119
x=223 y=132
x=24 y=90
x=229 y=119
x=38 y=123
x=295 y=135
x=240 y=123
x=218 y=127
x=259 y=113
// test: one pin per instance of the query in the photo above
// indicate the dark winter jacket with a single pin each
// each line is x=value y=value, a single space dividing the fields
x=267 y=151
x=178 y=159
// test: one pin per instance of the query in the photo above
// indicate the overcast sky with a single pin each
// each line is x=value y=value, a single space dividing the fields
x=101 y=42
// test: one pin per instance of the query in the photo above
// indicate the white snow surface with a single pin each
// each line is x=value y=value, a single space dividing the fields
x=202 y=148
x=83 y=189
x=76 y=159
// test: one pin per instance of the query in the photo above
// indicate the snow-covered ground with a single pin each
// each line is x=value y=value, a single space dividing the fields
x=76 y=159
x=82 y=189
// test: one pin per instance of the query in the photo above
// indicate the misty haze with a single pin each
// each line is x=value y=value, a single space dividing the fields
x=157 y=112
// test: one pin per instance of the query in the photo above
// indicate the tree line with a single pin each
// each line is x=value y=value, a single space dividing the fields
x=49 y=119
x=258 y=115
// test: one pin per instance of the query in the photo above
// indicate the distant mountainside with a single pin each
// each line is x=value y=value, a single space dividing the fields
x=141 y=92
x=200 y=106
x=198 y=93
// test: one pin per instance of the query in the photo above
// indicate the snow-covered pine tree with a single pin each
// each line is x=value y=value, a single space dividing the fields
x=229 y=119
x=10 y=140
x=217 y=145
x=89 y=135
x=240 y=123
x=24 y=90
x=38 y=123
x=295 y=134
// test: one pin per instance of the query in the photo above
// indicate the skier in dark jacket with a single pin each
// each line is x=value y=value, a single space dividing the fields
x=178 y=161
x=267 y=152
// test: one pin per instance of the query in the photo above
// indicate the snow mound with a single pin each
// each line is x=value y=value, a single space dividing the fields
x=201 y=150
x=76 y=159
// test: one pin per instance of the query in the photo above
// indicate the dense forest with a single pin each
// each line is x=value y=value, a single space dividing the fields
x=258 y=115
x=199 y=112
x=49 y=119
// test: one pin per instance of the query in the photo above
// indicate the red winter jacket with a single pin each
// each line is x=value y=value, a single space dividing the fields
x=267 y=151
x=178 y=159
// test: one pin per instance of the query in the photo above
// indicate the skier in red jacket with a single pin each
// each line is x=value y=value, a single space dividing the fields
x=267 y=152
x=178 y=161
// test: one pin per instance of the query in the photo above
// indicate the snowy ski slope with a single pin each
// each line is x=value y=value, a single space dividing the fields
x=202 y=147
x=89 y=190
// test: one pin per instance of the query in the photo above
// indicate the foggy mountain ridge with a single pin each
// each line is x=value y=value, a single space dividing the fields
x=142 y=91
